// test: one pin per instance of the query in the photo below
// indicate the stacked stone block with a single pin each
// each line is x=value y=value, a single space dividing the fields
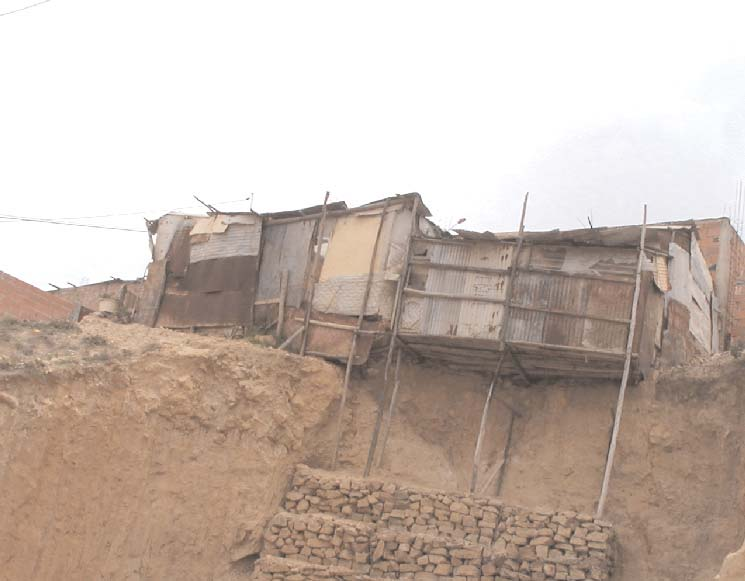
x=367 y=527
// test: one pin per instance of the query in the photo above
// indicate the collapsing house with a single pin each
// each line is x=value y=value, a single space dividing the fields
x=558 y=303
x=342 y=283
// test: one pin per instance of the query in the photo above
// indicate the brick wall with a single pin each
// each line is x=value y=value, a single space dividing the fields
x=90 y=294
x=712 y=234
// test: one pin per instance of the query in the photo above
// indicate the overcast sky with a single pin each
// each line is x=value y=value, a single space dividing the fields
x=110 y=107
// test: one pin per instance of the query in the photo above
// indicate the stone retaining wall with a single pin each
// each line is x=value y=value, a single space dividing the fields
x=521 y=544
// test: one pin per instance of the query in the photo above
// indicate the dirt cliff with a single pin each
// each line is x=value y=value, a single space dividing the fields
x=130 y=453
x=133 y=453
x=677 y=494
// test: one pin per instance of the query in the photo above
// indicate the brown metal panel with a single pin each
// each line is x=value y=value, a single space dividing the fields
x=152 y=294
x=196 y=309
x=221 y=274
x=213 y=292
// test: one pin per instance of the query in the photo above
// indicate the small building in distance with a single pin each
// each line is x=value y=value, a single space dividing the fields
x=724 y=251
x=126 y=292
x=24 y=302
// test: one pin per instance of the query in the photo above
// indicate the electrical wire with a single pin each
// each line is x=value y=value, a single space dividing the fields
x=24 y=8
x=9 y=218
x=140 y=213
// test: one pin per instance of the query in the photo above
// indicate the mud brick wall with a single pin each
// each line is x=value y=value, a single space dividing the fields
x=517 y=543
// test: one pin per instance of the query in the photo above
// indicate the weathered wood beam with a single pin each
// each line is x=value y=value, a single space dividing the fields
x=625 y=377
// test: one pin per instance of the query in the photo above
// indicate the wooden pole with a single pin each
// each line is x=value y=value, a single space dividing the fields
x=291 y=338
x=502 y=340
x=482 y=426
x=398 y=301
x=310 y=281
x=397 y=308
x=353 y=347
x=391 y=408
x=379 y=416
x=505 y=454
x=626 y=371
x=513 y=273
x=283 y=281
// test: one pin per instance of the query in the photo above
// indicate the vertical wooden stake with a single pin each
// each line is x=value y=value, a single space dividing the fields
x=398 y=300
x=379 y=418
x=482 y=426
x=505 y=454
x=626 y=371
x=283 y=281
x=397 y=308
x=310 y=282
x=355 y=334
x=503 y=343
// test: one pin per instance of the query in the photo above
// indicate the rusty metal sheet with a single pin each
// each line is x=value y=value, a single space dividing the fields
x=213 y=292
x=152 y=293
x=197 y=309
x=221 y=274
x=460 y=317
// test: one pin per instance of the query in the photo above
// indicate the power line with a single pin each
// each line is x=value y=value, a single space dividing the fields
x=9 y=218
x=139 y=213
x=24 y=8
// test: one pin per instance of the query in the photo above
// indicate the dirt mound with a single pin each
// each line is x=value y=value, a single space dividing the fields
x=133 y=453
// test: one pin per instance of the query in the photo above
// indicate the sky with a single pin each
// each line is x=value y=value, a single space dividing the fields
x=111 y=107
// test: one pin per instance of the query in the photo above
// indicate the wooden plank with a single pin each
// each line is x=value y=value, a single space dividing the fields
x=625 y=378
x=310 y=280
x=360 y=320
x=329 y=325
x=291 y=338
x=379 y=418
x=426 y=263
x=449 y=296
x=482 y=426
x=283 y=284
x=262 y=302
x=505 y=454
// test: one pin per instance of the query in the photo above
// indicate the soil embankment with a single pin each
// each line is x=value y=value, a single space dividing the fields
x=133 y=453
x=130 y=453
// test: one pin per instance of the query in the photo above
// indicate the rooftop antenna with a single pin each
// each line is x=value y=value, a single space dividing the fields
x=251 y=202
x=210 y=207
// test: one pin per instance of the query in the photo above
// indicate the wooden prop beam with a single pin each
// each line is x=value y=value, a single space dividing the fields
x=502 y=336
x=353 y=348
x=625 y=377
x=379 y=418
x=310 y=277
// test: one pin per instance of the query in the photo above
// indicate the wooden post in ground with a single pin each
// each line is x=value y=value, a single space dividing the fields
x=378 y=419
x=397 y=308
x=503 y=344
x=482 y=426
x=310 y=276
x=505 y=454
x=355 y=334
x=402 y=280
x=283 y=281
x=626 y=371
